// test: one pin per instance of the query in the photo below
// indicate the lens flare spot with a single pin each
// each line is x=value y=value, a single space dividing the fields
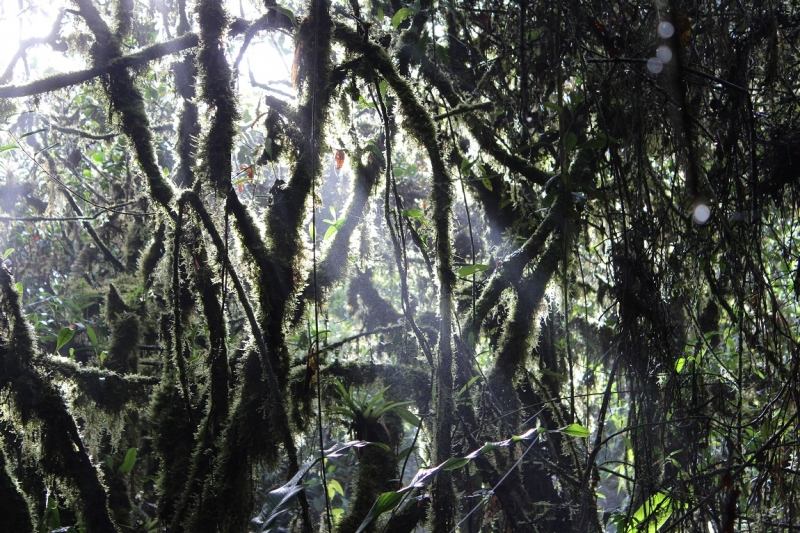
x=701 y=213
x=664 y=53
x=655 y=65
x=665 y=30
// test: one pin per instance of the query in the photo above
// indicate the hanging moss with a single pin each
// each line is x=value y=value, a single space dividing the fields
x=126 y=101
x=35 y=399
x=17 y=510
x=152 y=256
x=250 y=438
x=173 y=441
x=377 y=466
x=123 y=352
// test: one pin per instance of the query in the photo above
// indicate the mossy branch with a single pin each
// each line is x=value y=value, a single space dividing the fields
x=333 y=266
x=36 y=397
x=483 y=133
x=510 y=270
x=142 y=57
x=127 y=102
x=419 y=123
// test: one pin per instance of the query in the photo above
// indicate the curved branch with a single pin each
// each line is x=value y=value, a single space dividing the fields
x=142 y=57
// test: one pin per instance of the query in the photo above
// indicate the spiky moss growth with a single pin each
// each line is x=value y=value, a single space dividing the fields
x=419 y=123
x=17 y=510
x=126 y=101
x=173 y=441
x=185 y=74
x=123 y=353
x=512 y=269
x=285 y=217
x=22 y=464
x=35 y=398
x=151 y=257
x=124 y=18
x=253 y=436
x=515 y=344
x=97 y=388
x=215 y=83
x=135 y=239
x=333 y=266
x=188 y=131
x=203 y=280
x=376 y=468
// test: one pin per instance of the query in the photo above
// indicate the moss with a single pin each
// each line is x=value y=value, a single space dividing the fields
x=173 y=441
x=377 y=466
x=123 y=352
x=251 y=437
x=151 y=257
x=36 y=399
x=17 y=510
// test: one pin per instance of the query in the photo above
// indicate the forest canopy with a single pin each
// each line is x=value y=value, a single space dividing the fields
x=379 y=266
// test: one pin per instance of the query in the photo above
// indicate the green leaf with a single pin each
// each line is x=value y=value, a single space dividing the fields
x=401 y=15
x=333 y=228
x=130 y=460
x=679 y=364
x=8 y=252
x=535 y=34
x=575 y=430
x=408 y=416
x=64 y=337
x=92 y=336
x=385 y=502
x=34 y=132
x=103 y=356
x=98 y=157
x=471 y=269
x=413 y=213
x=570 y=140
x=288 y=12
x=487 y=183
x=653 y=514
x=18 y=286
x=454 y=462
x=468 y=385
x=8 y=147
x=334 y=487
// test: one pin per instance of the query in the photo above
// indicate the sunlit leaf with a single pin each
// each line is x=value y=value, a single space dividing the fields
x=129 y=461
x=408 y=416
x=653 y=514
x=64 y=337
x=385 y=502
x=471 y=269
x=575 y=430
x=454 y=462
x=34 y=132
x=334 y=487
x=401 y=15
x=91 y=334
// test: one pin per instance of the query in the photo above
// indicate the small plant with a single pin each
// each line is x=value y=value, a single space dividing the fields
x=363 y=410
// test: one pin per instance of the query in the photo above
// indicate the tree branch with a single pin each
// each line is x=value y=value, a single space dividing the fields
x=60 y=81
